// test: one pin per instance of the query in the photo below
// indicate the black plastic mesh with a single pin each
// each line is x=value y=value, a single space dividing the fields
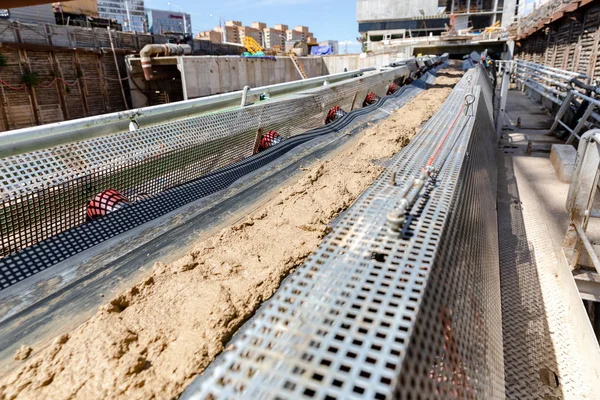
x=46 y=192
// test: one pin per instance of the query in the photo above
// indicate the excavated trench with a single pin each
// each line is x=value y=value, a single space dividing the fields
x=150 y=341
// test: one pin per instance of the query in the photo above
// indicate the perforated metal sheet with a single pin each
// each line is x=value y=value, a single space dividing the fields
x=374 y=316
x=56 y=249
x=45 y=192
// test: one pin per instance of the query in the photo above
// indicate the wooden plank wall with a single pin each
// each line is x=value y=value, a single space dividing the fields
x=80 y=56
x=93 y=87
x=569 y=43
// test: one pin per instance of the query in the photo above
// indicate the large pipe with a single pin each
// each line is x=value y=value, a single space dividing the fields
x=167 y=49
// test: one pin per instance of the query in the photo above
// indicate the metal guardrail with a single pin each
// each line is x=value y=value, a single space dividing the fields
x=561 y=88
x=20 y=141
x=580 y=201
x=46 y=192
x=378 y=312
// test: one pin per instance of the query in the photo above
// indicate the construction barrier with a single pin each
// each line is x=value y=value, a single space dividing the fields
x=46 y=192
x=402 y=298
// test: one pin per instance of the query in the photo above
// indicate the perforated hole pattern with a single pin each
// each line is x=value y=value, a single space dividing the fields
x=45 y=192
x=374 y=316
x=59 y=248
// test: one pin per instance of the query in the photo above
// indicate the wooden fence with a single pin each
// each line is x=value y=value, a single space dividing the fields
x=568 y=42
x=51 y=73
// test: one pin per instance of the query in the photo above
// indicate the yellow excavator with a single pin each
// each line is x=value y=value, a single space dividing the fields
x=253 y=47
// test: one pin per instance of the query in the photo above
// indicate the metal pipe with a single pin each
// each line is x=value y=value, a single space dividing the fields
x=591 y=88
x=166 y=49
x=588 y=246
x=552 y=69
x=112 y=46
x=543 y=71
x=555 y=82
x=20 y=141
x=244 y=95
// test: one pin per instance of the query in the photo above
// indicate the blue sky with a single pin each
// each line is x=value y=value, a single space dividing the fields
x=327 y=19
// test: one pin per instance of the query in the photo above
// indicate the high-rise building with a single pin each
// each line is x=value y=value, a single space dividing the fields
x=161 y=21
x=254 y=33
x=212 y=36
x=129 y=13
x=301 y=28
x=294 y=35
x=281 y=27
x=274 y=37
x=232 y=34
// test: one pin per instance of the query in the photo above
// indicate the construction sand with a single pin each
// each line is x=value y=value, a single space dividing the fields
x=152 y=340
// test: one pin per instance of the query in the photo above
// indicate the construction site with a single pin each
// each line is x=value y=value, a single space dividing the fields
x=417 y=221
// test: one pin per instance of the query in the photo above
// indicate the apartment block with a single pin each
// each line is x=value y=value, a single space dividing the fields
x=301 y=28
x=259 y=25
x=254 y=33
x=294 y=35
x=281 y=27
x=233 y=23
x=213 y=36
x=274 y=37
x=232 y=33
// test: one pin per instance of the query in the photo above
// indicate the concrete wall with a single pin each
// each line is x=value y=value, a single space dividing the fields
x=209 y=75
x=337 y=63
x=212 y=75
x=374 y=10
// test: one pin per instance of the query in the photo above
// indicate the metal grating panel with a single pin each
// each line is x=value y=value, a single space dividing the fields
x=542 y=347
x=49 y=252
x=45 y=192
x=375 y=316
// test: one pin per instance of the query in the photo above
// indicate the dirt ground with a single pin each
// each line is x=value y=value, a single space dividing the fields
x=152 y=340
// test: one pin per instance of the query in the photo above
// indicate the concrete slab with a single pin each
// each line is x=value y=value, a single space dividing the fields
x=562 y=158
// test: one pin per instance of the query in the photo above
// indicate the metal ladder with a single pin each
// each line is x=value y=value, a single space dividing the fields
x=298 y=66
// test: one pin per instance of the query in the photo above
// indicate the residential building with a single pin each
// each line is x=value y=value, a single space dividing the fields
x=40 y=14
x=281 y=27
x=274 y=37
x=161 y=21
x=259 y=25
x=232 y=34
x=294 y=35
x=213 y=36
x=254 y=33
x=129 y=13
x=335 y=46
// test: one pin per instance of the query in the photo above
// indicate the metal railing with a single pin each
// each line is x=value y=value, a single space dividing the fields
x=19 y=141
x=580 y=201
x=564 y=89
